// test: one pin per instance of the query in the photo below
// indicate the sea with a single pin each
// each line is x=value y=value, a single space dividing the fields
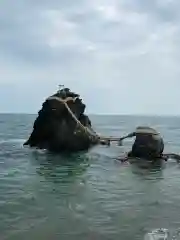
x=89 y=195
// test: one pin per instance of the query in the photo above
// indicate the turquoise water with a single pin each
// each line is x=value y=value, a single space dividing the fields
x=87 y=196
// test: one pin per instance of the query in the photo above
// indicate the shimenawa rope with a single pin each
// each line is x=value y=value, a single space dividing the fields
x=85 y=129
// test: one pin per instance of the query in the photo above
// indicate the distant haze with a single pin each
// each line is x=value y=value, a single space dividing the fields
x=121 y=56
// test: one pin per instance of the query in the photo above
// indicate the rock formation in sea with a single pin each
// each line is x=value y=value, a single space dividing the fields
x=62 y=125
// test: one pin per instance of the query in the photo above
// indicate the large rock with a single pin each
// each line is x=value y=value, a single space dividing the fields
x=56 y=130
x=148 y=143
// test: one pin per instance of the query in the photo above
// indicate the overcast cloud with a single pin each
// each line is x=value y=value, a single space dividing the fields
x=122 y=56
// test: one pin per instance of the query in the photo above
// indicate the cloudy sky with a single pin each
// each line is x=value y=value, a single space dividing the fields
x=122 y=56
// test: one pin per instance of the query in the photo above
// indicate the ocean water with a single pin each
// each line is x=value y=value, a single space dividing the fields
x=89 y=195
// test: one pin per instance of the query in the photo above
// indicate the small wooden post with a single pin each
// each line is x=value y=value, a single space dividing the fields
x=60 y=87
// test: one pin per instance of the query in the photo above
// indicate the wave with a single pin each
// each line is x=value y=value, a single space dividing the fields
x=162 y=234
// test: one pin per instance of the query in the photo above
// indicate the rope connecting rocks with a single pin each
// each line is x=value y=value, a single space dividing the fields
x=101 y=139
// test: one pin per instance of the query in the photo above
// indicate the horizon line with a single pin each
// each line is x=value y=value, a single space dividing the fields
x=102 y=114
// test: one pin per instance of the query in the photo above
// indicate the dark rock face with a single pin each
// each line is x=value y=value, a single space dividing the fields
x=148 y=144
x=55 y=130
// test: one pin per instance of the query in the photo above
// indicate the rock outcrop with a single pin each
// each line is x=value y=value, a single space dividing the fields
x=56 y=128
x=148 y=143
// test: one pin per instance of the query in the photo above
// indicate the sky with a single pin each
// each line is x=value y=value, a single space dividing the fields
x=121 y=56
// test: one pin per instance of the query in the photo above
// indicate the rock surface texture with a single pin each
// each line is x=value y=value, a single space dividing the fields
x=61 y=124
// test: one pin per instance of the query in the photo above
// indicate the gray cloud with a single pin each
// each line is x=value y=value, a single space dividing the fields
x=114 y=47
x=26 y=31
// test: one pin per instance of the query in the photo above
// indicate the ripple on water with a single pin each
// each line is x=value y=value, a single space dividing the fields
x=87 y=196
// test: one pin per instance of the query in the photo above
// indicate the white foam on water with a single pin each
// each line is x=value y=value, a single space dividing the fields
x=163 y=234
x=158 y=234
x=14 y=140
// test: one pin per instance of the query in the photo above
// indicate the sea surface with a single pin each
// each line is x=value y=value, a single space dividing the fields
x=88 y=196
